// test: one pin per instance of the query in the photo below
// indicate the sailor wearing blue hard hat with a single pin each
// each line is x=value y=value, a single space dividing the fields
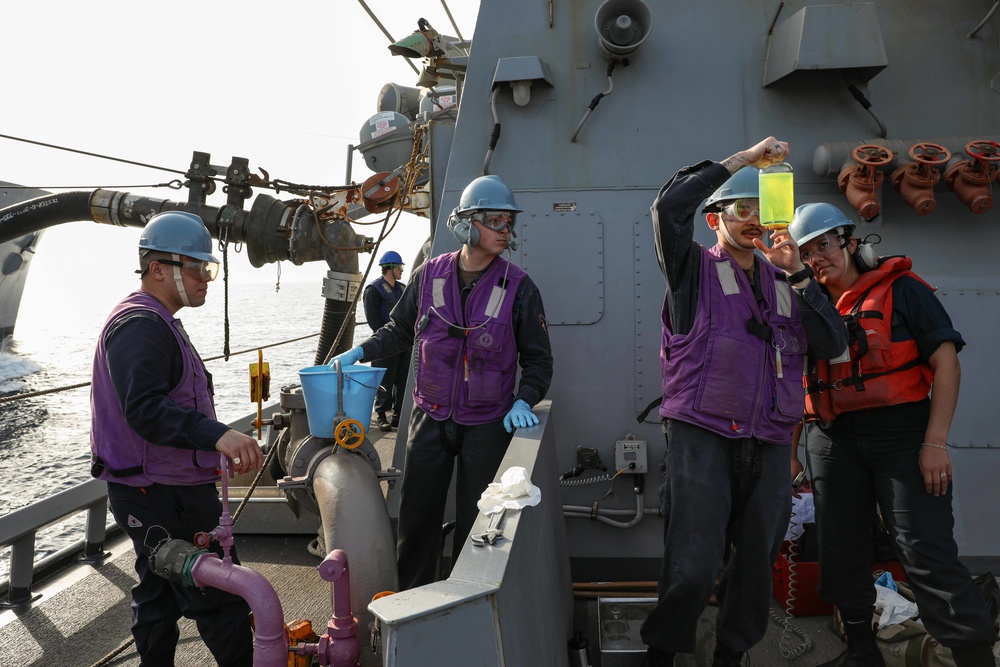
x=877 y=441
x=156 y=442
x=482 y=360
x=181 y=241
x=379 y=298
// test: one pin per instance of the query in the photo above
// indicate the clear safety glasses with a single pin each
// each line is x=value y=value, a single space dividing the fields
x=495 y=220
x=195 y=268
x=824 y=246
x=743 y=209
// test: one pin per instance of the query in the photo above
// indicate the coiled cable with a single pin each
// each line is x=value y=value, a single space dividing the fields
x=785 y=647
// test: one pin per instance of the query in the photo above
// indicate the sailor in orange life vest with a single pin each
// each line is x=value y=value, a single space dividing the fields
x=874 y=436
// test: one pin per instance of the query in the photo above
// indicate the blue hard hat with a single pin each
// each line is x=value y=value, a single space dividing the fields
x=817 y=218
x=390 y=257
x=178 y=232
x=487 y=193
x=743 y=183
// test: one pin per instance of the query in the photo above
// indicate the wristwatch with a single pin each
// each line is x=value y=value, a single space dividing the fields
x=799 y=276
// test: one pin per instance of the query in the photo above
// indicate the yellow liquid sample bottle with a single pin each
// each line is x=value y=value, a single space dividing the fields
x=777 y=201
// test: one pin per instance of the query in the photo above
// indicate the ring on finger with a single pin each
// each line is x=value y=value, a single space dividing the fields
x=944 y=474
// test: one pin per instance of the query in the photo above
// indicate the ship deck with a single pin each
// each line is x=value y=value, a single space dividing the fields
x=83 y=613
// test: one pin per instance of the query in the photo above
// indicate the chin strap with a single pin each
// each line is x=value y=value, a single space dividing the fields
x=179 y=280
x=725 y=232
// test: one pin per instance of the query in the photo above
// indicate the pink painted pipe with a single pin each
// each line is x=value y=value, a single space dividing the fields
x=270 y=639
x=339 y=646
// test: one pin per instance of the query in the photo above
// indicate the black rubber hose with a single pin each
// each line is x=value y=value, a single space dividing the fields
x=43 y=212
x=335 y=313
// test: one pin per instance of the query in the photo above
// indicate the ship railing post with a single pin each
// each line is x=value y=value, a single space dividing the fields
x=96 y=533
x=22 y=557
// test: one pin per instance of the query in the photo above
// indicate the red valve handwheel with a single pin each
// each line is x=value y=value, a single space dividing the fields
x=930 y=154
x=872 y=155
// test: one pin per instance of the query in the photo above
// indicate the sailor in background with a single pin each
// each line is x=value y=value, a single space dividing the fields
x=874 y=436
x=473 y=317
x=736 y=330
x=379 y=298
x=155 y=440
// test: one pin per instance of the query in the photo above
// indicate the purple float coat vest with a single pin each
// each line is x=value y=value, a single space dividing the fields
x=113 y=440
x=467 y=376
x=724 y=378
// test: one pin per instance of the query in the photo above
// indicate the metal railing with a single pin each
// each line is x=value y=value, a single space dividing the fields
x=18 y=530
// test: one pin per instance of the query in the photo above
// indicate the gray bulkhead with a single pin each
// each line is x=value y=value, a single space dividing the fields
x=694 y=89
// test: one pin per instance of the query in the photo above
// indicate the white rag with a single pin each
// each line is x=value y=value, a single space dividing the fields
x=512 y=492
x=895 y=608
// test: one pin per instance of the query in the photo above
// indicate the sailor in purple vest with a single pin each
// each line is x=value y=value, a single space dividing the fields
x=379 y=298
x=473 y=317
x=736 y=332
x=154 y=439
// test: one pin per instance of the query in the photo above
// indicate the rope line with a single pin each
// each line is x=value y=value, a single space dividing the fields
x=276 y=185
x=54 y=390
x=88 y=153
x=175 y=184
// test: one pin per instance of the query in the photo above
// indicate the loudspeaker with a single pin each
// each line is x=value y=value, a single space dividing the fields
x=401 y=99
x=428 y=78
x=622 y=25
x=463 y=229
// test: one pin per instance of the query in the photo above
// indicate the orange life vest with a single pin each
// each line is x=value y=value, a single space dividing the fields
x=874 y=371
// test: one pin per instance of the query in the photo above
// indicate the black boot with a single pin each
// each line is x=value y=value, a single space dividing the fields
x=862 y=651
x=723 y=657
x=383 y=423
x=657 y=658
x=976 y=655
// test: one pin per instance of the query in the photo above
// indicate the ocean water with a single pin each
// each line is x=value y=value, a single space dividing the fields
x=44 y=441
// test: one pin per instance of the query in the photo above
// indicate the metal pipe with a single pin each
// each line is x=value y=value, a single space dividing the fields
x=611 y=522
x=598 y=585
x=829 y=157
x=270 y=640
x=458 y=33
x=385 y=32
x=985 y=19
x=107 y=207
x=339 y=646
x=334 y=569
x=353 y=517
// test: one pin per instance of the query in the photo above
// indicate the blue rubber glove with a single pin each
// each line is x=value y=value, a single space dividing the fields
x=352 y=356
x=520 y=415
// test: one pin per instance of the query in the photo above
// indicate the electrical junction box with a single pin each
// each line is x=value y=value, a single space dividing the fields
x=630 y=456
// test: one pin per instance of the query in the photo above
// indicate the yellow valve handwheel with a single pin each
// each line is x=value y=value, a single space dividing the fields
x=349 y=434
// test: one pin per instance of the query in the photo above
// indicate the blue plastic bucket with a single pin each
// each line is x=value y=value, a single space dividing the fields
x=319 y=389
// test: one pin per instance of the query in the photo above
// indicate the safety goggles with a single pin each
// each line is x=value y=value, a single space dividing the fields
x=495 y=220
x=824 y=246
x=195 y=268
x=743 y=209
x=392 y=266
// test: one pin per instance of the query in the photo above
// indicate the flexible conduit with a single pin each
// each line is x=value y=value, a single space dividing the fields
x=579 y=512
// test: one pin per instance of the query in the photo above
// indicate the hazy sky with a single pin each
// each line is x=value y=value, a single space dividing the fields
x=287 y=85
